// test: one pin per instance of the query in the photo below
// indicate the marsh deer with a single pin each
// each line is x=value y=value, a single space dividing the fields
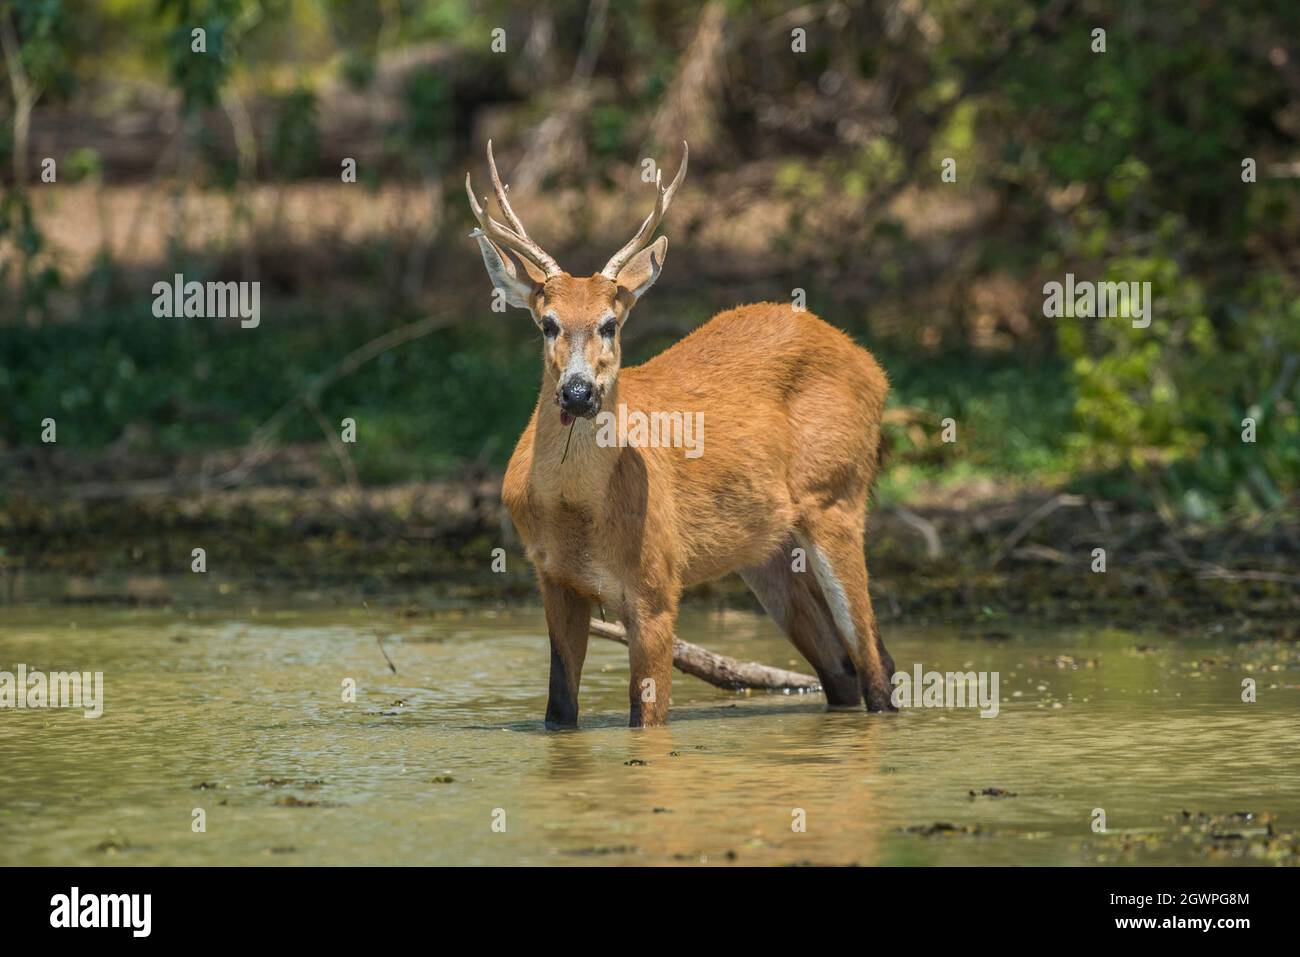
x=792 y=409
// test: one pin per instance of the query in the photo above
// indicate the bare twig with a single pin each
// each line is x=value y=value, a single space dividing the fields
x=1211 y=570
x=1041 y=553
x=336 y=445
x=719 y=670
x=379 y=639
x=552 y=144
x=1033 y=518
x=799 y=16
x=689 y=108
x=1289 y=366
x=933 y=547
x=262 y=442
x=593 y=39
x=1099 y=510
x=383 y=651
x=1248 y=575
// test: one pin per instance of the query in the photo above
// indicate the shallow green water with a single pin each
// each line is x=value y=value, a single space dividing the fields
x=240 y=713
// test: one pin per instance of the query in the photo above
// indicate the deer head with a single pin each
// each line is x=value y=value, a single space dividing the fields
x=580 y=318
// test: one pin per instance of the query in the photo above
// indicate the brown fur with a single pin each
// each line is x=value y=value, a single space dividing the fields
x=792 y=411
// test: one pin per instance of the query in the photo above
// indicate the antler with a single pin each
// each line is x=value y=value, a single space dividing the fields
x=643 y=236
x=513 y=237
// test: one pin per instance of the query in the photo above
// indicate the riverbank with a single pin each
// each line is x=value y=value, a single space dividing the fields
x=972 y=552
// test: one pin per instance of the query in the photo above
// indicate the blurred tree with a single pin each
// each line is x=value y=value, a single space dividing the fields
x=31 y=37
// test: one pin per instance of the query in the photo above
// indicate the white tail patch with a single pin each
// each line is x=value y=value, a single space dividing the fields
x=833 y=589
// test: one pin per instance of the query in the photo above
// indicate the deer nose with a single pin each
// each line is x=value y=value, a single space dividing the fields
x=575 y=396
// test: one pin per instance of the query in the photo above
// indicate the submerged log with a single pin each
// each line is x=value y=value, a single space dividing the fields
x=720 y=670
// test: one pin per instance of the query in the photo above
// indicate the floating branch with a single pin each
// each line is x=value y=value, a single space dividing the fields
x=730 y=673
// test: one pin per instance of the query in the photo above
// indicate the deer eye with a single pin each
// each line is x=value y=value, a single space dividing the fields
x=608 y=328
x=550 y=328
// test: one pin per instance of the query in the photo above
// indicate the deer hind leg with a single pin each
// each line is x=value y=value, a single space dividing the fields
x=795 y=602
x=833 y=539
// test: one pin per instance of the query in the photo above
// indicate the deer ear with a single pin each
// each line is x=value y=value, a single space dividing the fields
x=643 y=269
x=536 y=275
x=501 y=270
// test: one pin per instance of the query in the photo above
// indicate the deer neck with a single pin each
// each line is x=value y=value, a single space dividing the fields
x=568 y=461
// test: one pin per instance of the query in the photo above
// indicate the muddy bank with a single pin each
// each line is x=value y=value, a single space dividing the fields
x=971 y=554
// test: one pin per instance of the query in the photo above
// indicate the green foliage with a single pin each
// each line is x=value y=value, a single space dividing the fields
x=42 y=26
x=1013 y=417
x=423 y=137
x=199 y=76
x=608 y=127
x=1120 y=166
x=1151 y=136
x=295 y=146
x=24 y=265
x=196 y=384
